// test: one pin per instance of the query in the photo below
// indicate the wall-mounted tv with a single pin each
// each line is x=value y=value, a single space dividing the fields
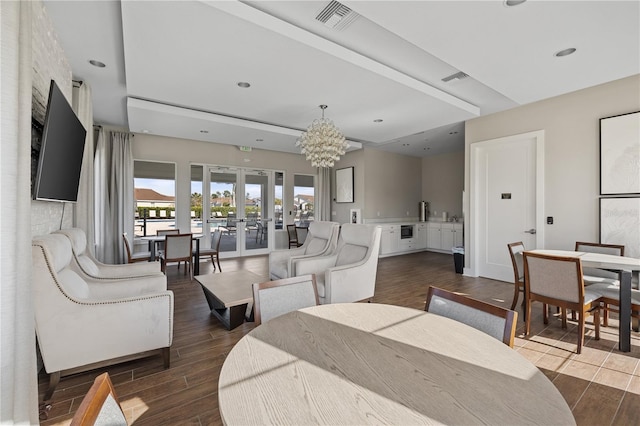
x=61 y=151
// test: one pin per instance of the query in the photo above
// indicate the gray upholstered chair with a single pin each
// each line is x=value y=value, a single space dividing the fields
x=557 y=280
x=100 y=405
x=274 y=298
x=214 y=250
x=595 y=275
x=496 y=321
x=132 y=257
x=177 y=249
x=321 y=240
x=349 y=273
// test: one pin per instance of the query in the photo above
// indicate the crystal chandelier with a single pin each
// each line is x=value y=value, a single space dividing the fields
x=322 y=143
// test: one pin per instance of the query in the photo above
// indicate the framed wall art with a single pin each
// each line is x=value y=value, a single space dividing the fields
x=344 y=185
x=620 y=154
x=620 y=223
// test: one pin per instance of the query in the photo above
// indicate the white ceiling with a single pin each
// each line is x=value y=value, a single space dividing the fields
x=172 y=67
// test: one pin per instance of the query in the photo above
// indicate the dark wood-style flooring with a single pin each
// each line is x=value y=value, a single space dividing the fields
x=601 y=385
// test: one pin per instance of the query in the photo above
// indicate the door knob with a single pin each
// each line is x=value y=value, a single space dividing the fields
x=531 y=231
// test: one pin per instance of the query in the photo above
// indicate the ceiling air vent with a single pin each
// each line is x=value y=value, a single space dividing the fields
x=455 y=77
x=337 y=16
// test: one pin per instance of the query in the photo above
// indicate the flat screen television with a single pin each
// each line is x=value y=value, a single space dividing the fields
x=61 y=151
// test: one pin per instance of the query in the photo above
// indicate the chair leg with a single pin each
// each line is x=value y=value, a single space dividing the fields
x=596 y=320
x=605 y=315
x=545 y=313
x=218 y=262
x=564 y=318
x=527 y=317
x=516 y=293
x=580 y=331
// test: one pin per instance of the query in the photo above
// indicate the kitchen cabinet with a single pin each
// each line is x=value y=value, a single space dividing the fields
x=389 y=239
x=443 y=236
x=434 y=239
x=421 y=236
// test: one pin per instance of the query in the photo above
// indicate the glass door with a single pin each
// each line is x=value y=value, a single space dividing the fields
x=239 y=208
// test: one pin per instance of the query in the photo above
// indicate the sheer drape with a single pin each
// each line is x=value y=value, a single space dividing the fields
x=84 y=216
x=113 y=194
x=323 y=204
x=19 y=391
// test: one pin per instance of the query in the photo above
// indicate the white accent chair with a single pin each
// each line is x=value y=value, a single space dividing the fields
x=349 y=273
x=91 y=267
x=80 y=329
x=321 y=240
x=147 y=275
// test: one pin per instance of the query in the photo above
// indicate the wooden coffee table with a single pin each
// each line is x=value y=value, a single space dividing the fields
x=228 y=294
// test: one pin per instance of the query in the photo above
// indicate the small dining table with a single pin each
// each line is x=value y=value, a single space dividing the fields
x=155 y=239
x=625 y=266
x=368 y=363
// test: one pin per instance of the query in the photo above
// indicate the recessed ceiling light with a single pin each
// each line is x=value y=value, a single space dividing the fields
x=244 y=84
x=378 y=120
x=565 y=52
x=97 y=63
x=510 y=3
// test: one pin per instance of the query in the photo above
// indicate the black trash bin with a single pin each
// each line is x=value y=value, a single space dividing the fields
x=458 y=259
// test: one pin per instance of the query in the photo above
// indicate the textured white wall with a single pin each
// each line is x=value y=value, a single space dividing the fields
x=572 y=143
x=49 y=62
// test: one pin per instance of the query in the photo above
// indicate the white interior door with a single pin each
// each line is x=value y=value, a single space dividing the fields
x=507 y=198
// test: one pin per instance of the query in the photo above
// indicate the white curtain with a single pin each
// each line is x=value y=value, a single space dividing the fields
x=323 y=204
x=84 y=216
x=113 y=194
x=19 y=386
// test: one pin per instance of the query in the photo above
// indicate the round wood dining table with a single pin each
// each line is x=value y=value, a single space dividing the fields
x=367 y=363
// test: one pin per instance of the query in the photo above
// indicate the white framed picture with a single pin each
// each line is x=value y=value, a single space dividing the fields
x=620 y=154
x=354 y=216
x=344 y=185
x=620 y=223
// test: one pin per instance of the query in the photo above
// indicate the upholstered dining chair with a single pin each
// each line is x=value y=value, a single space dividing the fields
x=595 y=275
x=172 y=231
x=177 y=249
x=274 y=298
x=493 y=320
x=214 y=250
x=515 y=251
x=557 y=280
x=144 y=256
x=292 y=232
x=100 y=405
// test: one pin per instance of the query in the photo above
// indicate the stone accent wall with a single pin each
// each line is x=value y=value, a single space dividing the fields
x=49 y=62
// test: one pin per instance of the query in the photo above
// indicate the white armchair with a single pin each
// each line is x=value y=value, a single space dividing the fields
x=321 y=240
x=148 y=275
x=349 y=273
x=79 y=330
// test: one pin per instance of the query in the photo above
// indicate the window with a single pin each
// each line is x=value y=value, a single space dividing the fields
x=154 y=195
x=303 y=199
x=278 y=199
x=196 y=203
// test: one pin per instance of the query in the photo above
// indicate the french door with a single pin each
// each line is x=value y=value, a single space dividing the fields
x=240 y=207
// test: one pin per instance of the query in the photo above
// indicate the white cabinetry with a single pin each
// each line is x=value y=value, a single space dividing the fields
x=434 y=231
x=389 y=239
x=420 y=236
x=444 y=236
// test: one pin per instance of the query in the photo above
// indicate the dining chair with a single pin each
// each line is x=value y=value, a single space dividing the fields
x=261 y=231
x=292 y=231
x=177 y=249
x=100 y=405
x=515 y=251
x=214 y=250
x=493 y=320
x=160 y=244
x=274 y=298
x=600 y=276
x=595 y=275
x=557 y=280
x=144 y=256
